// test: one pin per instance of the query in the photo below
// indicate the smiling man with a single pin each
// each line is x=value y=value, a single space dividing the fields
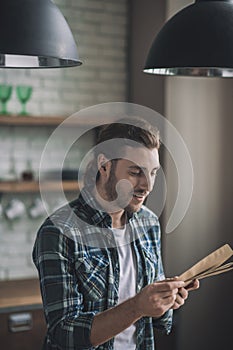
x=99 y=257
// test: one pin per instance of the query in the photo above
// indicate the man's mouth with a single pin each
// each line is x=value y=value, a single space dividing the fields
x=139 y=195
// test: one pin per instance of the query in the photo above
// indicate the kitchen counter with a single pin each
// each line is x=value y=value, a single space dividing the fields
x=20 y=294
x=22 y=320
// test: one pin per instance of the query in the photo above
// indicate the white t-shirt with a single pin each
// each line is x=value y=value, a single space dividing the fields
x=127 y=286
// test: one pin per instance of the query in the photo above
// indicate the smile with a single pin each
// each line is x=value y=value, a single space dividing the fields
x=138 y=195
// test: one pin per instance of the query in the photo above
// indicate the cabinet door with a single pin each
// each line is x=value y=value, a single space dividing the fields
x=23 y=330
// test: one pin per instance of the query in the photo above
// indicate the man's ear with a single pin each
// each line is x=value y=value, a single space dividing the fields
x=104 y=165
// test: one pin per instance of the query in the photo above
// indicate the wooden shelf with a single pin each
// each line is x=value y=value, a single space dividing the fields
x=17 y=120
x=33 y=186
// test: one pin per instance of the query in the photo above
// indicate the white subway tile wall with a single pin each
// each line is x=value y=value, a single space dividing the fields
x=100 y=28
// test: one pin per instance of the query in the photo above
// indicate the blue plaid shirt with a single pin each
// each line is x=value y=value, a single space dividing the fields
x=78 y=267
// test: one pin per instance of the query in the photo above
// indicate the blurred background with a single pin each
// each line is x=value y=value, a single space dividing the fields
x=113 y=39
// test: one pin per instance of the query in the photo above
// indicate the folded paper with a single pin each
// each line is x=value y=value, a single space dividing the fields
x=211 y=265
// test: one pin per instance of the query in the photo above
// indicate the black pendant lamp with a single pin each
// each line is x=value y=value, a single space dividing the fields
x=197 y=41
x=35 y=34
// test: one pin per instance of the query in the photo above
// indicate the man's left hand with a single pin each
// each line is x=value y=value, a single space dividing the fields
x=183 y=293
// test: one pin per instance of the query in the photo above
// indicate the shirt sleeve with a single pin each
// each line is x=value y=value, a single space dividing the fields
x=164 y=323
x=68 y=325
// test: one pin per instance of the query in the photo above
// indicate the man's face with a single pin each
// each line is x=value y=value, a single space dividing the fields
x=137 y=168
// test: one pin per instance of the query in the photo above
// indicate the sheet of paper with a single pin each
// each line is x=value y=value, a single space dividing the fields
x=211 y=265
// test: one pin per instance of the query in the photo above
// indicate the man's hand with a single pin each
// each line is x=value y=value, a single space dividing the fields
x=157 y=298
x=153 y=300
x=183 y=293
x=193 y=285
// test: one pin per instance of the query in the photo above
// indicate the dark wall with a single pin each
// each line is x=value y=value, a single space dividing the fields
x=201 y=110
x=146 y=18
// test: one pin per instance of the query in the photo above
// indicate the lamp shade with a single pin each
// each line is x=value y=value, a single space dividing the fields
x=35 y=34
x=197 y=41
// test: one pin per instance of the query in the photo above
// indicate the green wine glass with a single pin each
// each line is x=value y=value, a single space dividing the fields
x=24 y=93
x=5 y=94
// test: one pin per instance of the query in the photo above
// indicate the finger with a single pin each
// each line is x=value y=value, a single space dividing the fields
x=195 y=284
x=175 y=306
x=179 y=300
x=163 y=286
x=169 y=300
x=168 y=294
x=175 y=278
x=183 y=292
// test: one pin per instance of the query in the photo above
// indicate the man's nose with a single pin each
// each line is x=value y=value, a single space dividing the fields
x=147 y=182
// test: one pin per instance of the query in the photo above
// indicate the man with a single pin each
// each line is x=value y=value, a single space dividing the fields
x=99 y=259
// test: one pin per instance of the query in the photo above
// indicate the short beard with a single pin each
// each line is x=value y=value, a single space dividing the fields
x=112 y=195
x=110 y=189
x=110 y=186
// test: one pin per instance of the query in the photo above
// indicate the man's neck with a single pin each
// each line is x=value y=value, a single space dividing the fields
x=118 y=216
x=118 y=219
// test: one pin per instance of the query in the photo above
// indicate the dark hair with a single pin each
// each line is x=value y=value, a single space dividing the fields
x=133 y=129
x=125 y=131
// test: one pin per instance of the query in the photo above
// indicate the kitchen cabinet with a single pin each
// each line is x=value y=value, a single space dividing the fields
x=22 y=320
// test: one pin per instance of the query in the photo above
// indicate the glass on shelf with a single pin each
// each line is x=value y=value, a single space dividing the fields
x=28 y=173
x=11 y=175
x=24 y=93
x=5 y=95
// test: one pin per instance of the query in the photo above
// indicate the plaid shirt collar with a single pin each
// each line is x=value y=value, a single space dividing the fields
x=95 y=214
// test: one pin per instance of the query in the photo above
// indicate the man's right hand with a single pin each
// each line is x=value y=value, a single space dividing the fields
x=153 y=301
x=157 y=298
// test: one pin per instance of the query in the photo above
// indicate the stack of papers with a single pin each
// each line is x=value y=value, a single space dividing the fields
x=212 y=264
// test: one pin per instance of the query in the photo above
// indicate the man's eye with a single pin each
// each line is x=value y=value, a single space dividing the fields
x=135 y=173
